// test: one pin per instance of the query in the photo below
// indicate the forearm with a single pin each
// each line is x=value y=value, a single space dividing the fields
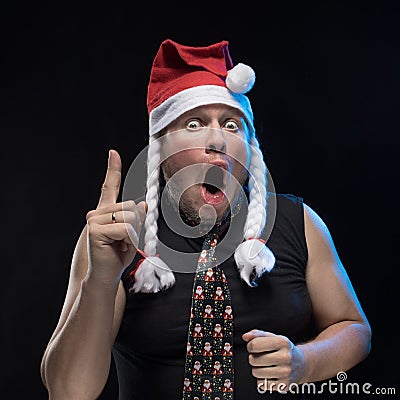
x=337 y=348
x=77 y=361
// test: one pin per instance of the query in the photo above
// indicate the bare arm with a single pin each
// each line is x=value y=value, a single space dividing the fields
x=344 y=333
x=77 y=359
x=79 y=351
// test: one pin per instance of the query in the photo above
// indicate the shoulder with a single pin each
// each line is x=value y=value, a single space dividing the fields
x=320 y=244
x=288 y=199
x=288 y=209
x=314 y=225
x=301 y=224
x=286 y=204
x=313 y=219
x=285 y=227
x=291 y=203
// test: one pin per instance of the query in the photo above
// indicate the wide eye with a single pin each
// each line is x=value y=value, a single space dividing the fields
x=231 y=125
x=193 y=124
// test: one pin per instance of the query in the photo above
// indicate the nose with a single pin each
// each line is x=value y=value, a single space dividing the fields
x=215 y=140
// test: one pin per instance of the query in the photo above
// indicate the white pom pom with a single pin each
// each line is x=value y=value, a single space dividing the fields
x=253 y=258
x=152 y=276
x=240 y=79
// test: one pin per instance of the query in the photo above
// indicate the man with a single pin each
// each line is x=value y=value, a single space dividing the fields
x=293 y=316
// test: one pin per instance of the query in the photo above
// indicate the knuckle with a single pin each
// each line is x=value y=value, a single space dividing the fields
x=107 y=186
x=287 y=357
x=89 y=215
x=256 y=345
x=92 y=230
x=129 y=205
x=284 y=341
x=286 y=370
x=259 y=373
x=250 y=346
x=129 y=217
x=251 y=360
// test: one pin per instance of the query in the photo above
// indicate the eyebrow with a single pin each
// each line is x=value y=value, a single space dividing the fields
x=226 y=113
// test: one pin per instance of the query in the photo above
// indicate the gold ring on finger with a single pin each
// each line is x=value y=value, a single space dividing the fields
x=113 y=217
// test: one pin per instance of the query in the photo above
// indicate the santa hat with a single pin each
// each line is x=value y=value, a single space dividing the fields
x=183 y=78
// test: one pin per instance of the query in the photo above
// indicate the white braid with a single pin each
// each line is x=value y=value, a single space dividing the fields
x=153 y=274
x=152 y=197
x=252 y=256
x=257 y=196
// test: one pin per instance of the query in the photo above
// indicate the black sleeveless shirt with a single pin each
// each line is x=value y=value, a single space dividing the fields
x=150 y=348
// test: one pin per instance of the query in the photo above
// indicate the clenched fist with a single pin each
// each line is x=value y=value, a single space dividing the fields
x=275 y=360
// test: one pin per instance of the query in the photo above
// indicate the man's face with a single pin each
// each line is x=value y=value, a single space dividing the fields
x=215 y=137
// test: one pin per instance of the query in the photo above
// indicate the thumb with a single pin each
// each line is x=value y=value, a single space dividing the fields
x=143 y=206
x=141 y=209
x=255 y=333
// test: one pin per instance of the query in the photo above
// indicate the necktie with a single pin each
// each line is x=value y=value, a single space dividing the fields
x=209 y=369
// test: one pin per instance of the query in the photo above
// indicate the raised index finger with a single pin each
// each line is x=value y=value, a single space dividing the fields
x=112 y=181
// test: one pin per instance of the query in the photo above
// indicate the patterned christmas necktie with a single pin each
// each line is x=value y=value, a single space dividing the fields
x=209 y=358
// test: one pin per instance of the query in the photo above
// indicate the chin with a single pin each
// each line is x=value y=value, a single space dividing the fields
x=221 y=210
x=193 y=199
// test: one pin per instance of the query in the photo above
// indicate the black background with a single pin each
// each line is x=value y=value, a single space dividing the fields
x=73 y=84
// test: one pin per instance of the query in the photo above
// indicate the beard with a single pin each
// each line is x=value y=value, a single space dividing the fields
x=186 y=207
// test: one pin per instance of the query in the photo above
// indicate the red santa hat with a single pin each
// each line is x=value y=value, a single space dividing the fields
x=183 y=78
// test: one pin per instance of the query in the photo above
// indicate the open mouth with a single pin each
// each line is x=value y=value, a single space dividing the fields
x=213 y=186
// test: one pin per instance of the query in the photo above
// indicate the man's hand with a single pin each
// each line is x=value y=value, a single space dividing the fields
x=275 y=360
x=113 y=228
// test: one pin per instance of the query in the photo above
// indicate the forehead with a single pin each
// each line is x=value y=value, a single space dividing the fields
x=211 y=111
